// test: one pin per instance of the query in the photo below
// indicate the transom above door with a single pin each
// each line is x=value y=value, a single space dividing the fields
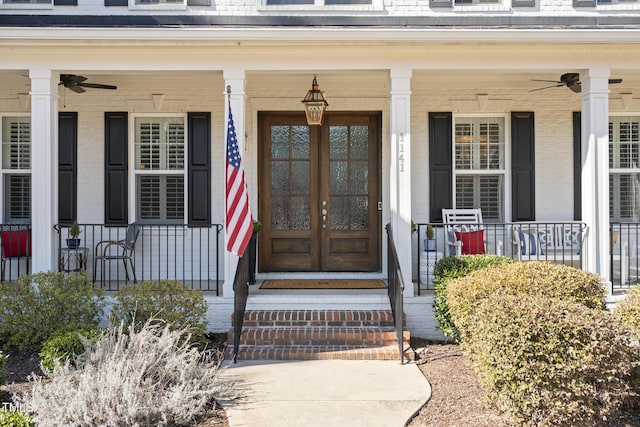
x=319 y=192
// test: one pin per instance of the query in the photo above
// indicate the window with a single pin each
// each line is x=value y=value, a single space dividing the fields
x=159 y=169
x=317 y=3
x=16 y=168
x=476 y=2
x=616 y=2
x=479 y=165
x=624 y=169
x=157 y=2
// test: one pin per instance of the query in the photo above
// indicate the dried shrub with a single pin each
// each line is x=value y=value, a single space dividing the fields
x=522 y=278
x=551 y=362
x=14 y=419
x=452 y=267
x=629 y=309
x=167 y=301
x=130 y=378
x=34 y=306
x=66 y=345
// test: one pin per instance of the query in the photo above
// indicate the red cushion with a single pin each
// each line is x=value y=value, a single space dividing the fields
x=16 y=243
x=472 y=242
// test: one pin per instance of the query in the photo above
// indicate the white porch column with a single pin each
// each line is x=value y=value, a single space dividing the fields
x=595 y=169
x=400 y=179
x=236 y=80
x=44 y=159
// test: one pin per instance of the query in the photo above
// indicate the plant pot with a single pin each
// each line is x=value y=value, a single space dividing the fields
x=73 y=243
x=430 y=245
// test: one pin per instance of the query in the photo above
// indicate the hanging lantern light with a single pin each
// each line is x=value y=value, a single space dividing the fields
x=314 y=104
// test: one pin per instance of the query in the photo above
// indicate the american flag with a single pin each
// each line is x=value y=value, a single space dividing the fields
x=239 y=220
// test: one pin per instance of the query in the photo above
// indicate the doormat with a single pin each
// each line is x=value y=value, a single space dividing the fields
x=323 y=284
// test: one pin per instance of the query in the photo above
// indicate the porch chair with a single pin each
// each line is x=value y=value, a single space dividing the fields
x=464 y=232
x=15 y=244
x=117 y=250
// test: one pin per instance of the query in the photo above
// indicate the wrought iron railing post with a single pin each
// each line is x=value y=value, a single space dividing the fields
x=395 y=290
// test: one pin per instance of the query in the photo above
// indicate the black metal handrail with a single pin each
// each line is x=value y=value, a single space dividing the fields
x=395 y=290
x=190 y=255
x=240 y=295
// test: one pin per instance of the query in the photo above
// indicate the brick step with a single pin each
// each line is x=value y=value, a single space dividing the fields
x=320 y=334
x=327 y=352
x=317 y=335
x=318 y=318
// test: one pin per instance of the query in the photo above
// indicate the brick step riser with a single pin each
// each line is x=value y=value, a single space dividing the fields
x=316 y=323
x=287 y=317
x=317 y=336
x=296 y=353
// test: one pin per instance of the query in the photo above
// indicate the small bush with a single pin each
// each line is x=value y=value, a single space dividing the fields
x=66 y=345
x=452 y=267
x=14 y=419
x=3 y=367
x=139 y=378
x=547 y=361
x=629 y=309
x=34 y=306
x=522 y=278
x=168 y=301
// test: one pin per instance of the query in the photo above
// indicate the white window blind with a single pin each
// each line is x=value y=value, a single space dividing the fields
x=17 y=198
x=160 y=164
x=16 y=142
x=16 y=168
x=480 y=165
x=624 y=169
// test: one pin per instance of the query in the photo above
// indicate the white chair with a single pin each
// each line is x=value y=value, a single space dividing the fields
x=464 y=231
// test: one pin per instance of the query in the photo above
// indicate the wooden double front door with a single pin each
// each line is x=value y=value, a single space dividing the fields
x=319 y=192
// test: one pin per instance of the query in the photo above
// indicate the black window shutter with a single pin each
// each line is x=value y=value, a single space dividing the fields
x=523 y=166
x=440 y=175
x=116 y=210
x=65 y=2
x=440 y=3
x=577 y=166
x=67 y=167
x=199 y=169
x=116 y=3
x=198 y=2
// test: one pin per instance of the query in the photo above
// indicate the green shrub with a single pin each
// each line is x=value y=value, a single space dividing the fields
x=452 y=267
x=34 y=306
x=548 y=361
x=167 y=301
x=145 y=377
x=629 y=309
x=3 y=367
x=65 y=344
x=522 y=278
x=14 y=419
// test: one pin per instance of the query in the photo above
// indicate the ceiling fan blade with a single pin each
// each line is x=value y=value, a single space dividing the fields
x=547 y=81
x=75 y=88
x=71 y=78
x=614 y=81
x=97 y=86
x=546 y=87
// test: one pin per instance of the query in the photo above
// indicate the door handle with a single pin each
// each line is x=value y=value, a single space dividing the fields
x=324 y=214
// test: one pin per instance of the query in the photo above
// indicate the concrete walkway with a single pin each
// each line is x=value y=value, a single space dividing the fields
x=324 y=393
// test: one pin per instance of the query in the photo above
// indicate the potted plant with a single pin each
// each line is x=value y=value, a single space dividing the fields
x=430 y=243
x=74 y=231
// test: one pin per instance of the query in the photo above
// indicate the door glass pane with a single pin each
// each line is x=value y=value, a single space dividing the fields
x=300 y=213
x=359 y=181
x=279 y=142
x=338 y=178
x=359 y=142
x=280 y=177
x=300 y=142
x=338 y=213
x=300 y=177
x=338 y=142
x=279 y=213
x=359 y=213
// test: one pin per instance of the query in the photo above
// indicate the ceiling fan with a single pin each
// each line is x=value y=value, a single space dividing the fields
x=77 y=83
x=570 y=80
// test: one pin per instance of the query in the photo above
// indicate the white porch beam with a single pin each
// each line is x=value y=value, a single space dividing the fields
x=400 y=171
x=235 y=79
x=44 y=160
x=595 y=169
